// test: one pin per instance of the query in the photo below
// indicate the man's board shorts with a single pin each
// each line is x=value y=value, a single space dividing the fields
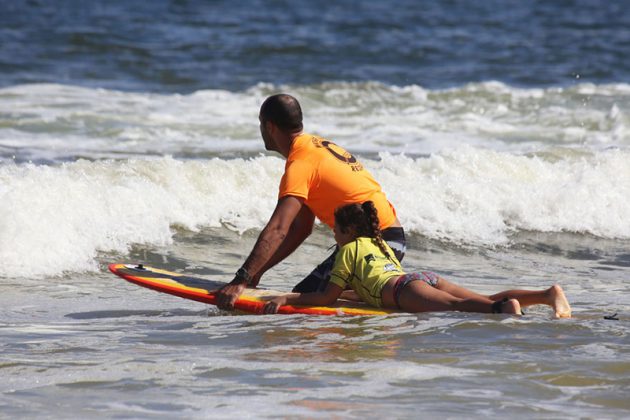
x=318 y=279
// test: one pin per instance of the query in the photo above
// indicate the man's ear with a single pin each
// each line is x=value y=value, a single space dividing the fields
x=270 y=127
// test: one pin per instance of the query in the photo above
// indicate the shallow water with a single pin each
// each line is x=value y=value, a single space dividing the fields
x=94 y=345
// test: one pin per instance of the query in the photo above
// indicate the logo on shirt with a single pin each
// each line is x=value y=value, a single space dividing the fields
x=390 y=267
x=340 y=153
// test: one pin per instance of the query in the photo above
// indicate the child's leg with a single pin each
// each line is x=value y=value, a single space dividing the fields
x=418 y=296
x=459 y=291
x=554 y=297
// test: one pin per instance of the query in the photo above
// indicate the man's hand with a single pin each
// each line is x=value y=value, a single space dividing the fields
x=228 y=294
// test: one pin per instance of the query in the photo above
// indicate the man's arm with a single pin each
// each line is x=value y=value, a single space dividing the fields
x=290 y=223
x=300 y=229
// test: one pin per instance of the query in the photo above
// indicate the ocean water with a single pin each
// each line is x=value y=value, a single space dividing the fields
x=129 y=133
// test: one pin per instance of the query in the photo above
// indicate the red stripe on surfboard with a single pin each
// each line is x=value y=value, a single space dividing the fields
x=246 y=305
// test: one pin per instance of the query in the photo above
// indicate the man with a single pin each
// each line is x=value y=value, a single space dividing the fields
x=319 y=176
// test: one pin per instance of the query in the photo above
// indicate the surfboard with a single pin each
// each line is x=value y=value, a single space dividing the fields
x=251 y=301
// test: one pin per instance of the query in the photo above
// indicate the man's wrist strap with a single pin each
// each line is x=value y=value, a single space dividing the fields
x=243 y=274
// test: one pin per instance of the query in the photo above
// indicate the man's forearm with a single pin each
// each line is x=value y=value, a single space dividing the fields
x=279 y=238
x=290 y=223
x=268 y=246
x=291 y=242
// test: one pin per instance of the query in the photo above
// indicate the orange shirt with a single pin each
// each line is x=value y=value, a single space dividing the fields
x=328 y=177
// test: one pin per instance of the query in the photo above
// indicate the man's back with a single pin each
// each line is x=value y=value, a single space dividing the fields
x=327 y=177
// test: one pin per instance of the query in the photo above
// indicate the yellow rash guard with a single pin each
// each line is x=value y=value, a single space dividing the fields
x=362 y=265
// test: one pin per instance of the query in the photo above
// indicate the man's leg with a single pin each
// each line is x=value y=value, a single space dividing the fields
x=318 y=279
x=395 y=238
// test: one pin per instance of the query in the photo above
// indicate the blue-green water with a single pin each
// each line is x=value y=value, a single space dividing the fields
x=184 y=46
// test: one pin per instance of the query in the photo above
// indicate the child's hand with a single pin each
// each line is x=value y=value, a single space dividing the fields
x=351 y=295
x=274 y=304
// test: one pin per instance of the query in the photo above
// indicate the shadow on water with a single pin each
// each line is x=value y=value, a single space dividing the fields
x=212 y=252
x=106 y=314
x=621 y=260
x=574 y=246
x=567 y=248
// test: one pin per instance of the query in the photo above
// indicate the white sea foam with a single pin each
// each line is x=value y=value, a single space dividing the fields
x=57 y=218
x=469 y=165
x=479 y=196
x=56 y=122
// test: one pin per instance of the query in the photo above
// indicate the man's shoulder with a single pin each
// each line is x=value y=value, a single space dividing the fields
x=299 y=165
x=302 y=155
x=302 y=142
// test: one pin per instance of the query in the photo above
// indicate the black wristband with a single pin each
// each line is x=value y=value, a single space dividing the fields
x=243 y=274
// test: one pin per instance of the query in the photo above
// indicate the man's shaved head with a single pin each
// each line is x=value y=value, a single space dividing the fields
x=284 y=111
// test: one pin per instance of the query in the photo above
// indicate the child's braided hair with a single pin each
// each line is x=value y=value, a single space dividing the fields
x=364 y=219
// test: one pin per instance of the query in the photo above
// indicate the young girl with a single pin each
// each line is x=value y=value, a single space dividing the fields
x=366 y=264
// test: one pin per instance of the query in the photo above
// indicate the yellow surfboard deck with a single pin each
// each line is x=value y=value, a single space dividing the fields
x=251 y=301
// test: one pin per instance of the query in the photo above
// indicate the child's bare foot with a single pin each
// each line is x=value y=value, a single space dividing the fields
x=512 y=306
x=559 y=302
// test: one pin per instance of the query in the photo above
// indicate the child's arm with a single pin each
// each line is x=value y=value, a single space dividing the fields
x=351 y=295
x=327 y=297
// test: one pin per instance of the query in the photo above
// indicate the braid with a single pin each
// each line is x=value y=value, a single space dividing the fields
x=350 y=215
x=364 y=219
x=373 y=224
